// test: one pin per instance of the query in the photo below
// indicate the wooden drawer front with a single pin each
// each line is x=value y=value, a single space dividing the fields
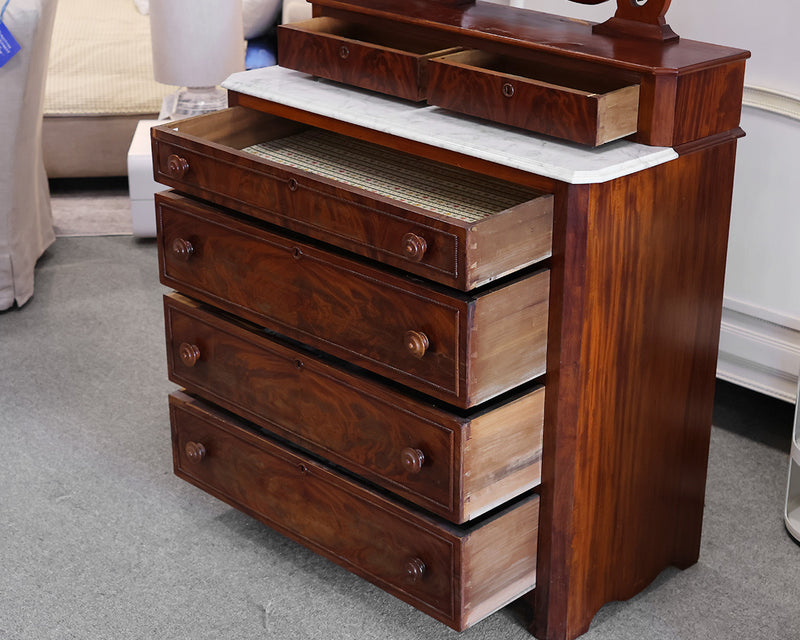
x=456 y=574
x=579 y=107
x=456 y=467
x=390 y=325
x=443 y=223
x=366 y=57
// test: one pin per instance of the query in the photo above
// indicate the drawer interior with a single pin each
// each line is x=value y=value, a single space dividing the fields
x=413 y=181
x=447 y=191
x=376 y=34
x=233 y=128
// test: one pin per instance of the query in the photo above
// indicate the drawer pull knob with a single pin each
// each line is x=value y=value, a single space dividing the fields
x=344 y=52
x=417 y=343
x=415 y=569
x=190 y=354
x=508 y=90
x=414 y=246
x=292 y=184
x=413 y=459
x=177 y=166
x=195 y=451
x=182 y=249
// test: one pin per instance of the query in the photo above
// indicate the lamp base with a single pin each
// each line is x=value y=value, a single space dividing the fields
x=194 y=101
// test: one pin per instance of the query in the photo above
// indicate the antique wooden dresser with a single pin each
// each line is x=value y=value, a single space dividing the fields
x=448 y=293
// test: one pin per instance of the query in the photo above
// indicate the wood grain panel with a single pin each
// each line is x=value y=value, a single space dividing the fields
x=354 y=311
x=372 y=58
x=469 y=464
x=642 y=279
x=584 y=108
x=708 y=102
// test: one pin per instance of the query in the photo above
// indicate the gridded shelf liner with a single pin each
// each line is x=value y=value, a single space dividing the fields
x=444 y=190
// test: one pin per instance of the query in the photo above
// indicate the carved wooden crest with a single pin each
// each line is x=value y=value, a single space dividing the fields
x=638 y=18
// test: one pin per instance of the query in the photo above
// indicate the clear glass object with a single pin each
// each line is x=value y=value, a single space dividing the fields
x=194 y=101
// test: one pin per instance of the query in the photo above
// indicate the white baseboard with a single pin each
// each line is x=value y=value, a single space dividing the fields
x=759 y=354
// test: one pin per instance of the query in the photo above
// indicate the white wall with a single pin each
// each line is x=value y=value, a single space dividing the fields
x=760 y=343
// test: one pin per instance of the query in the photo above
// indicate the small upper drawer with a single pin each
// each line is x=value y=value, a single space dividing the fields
x=458 y=575
x=381 y=59
x=456 y=466
x=461 y=348
x=445 y=224
x=578 y=106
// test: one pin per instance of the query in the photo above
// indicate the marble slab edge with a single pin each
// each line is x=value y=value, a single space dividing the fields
x=438 y=127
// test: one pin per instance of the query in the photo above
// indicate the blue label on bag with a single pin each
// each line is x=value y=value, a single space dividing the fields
x=8 y=46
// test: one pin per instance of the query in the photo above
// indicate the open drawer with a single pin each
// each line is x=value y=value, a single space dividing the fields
x=458 y=466
x=580 y=107
x=452 y=226
x=458 y=575
x=463 y=348
x=386 y=59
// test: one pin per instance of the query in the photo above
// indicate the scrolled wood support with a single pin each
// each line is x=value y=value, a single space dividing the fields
x=637 y=18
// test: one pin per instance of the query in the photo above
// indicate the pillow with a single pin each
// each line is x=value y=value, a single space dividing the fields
x=258 y=16
x=143 y=6
x=296 y=10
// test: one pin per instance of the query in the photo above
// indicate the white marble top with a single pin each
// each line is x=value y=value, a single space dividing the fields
x=515 y=148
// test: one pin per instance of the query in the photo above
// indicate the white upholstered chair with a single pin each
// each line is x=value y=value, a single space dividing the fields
x=26 y=225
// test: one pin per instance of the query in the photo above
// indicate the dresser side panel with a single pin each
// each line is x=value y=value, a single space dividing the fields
x=655 y=268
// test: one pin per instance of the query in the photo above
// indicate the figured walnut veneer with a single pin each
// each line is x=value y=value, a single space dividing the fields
x=470 y=400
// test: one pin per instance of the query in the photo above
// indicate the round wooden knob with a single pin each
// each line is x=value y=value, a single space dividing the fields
x=414 y=246
x=415 y=569
x=417 y=343
x=508 y=90
x=177 y=166
x=195 y=451
x=190 y=353
x=182 y=249
x=413 y=459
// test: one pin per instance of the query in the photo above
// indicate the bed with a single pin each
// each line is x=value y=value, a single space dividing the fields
x=99 y=85
x=100 y=82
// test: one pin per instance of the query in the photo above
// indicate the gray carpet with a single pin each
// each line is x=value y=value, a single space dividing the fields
x=100 y=541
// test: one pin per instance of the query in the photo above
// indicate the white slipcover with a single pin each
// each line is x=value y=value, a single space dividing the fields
x=296 y=10
x=26 y=224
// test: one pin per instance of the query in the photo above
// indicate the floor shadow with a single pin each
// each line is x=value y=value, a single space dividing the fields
x=753 y=415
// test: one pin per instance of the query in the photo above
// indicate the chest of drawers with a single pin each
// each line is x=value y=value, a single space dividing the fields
x=465 y=362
